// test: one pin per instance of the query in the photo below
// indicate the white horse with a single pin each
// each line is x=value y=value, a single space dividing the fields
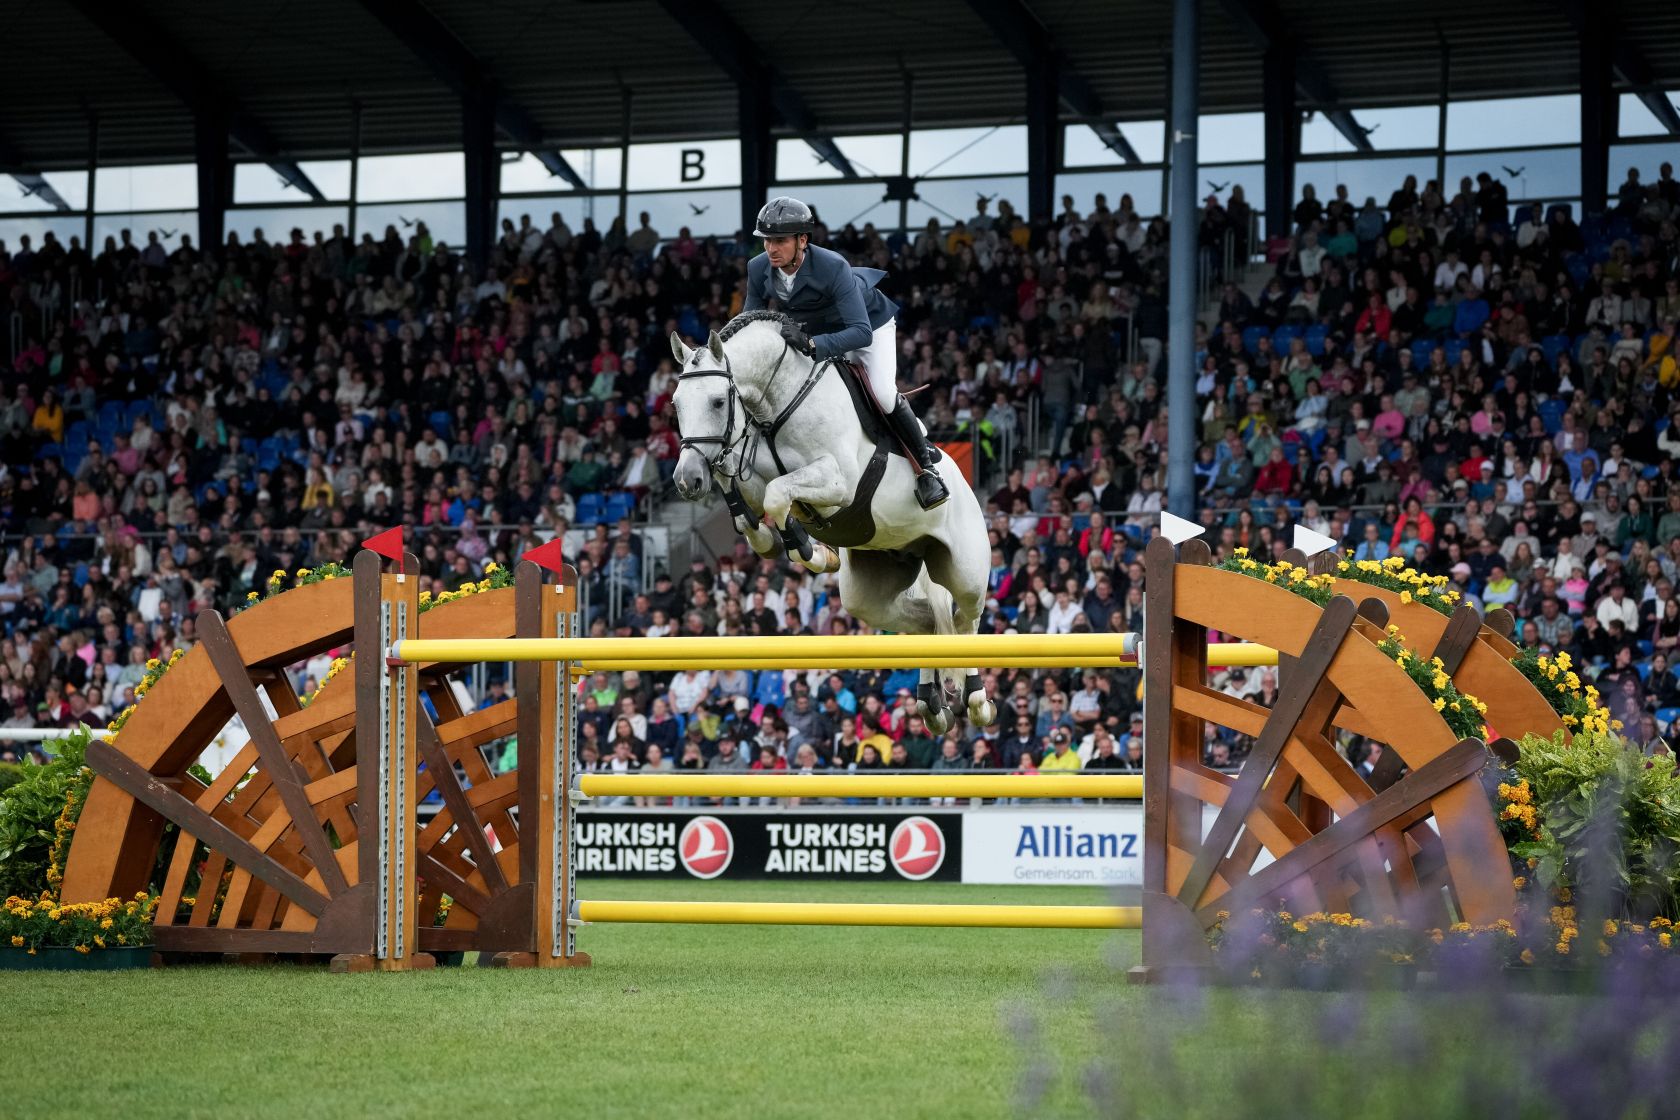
x=782 y=431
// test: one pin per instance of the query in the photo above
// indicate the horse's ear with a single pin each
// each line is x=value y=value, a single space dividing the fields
x=678 y=350
x=715 y=345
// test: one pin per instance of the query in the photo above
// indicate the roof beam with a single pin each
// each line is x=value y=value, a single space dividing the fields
x=714 y=32
x=184 y=77
x=32 y=182
x=450 y=62
x=1264 y=26
x=1632 y=65
x=1019 y=31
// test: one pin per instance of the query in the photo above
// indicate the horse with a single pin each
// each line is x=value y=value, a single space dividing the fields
x=782 y=432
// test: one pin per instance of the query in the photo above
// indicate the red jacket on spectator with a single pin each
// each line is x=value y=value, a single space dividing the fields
x=1276 y=477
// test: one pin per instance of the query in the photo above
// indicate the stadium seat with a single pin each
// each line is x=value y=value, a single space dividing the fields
x=1551 y=414
x=1454 y=347
x=50 y=451
x=1284 y=335
x=1555 y=346
x=1666 y=718
x=439 y=422
x=1315 y=336
x=620 y=504
x=590 y=508
x=1421 y=349
x=1580 y=268
x=1251 y=338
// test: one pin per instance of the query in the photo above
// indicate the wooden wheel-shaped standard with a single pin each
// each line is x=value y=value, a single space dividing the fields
x=1299 y=828
x=283 y=822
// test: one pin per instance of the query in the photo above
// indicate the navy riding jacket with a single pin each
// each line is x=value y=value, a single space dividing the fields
x=836 y=304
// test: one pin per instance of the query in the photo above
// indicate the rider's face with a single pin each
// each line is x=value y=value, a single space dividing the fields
x=785 y=252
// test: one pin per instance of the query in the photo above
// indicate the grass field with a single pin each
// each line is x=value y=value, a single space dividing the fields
x=727 y=1022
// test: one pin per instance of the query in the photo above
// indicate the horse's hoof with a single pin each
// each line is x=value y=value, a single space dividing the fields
x=981 y=711
x=938 y=720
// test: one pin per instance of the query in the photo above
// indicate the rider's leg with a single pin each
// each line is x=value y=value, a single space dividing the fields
x=880 y=364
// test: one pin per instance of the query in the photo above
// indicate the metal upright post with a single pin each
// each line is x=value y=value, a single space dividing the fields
x=1181 y=311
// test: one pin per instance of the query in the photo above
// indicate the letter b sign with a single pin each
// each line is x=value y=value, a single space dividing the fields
x=693 y=167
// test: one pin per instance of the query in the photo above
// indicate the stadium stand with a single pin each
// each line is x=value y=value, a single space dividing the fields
x=1489 y=394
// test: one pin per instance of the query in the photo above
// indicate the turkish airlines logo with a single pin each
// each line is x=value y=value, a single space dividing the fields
x=917 y=848
x=706 y=847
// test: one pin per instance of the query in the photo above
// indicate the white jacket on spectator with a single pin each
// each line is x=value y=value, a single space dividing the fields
x=1609 y=609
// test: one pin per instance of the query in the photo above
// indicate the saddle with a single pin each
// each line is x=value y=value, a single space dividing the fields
x=868 y=409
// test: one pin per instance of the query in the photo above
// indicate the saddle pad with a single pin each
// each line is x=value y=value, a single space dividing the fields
x=855 y=524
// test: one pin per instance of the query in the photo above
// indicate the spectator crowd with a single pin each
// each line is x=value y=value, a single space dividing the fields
x=1490 y=395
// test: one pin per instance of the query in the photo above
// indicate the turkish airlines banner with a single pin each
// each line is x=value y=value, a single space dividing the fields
x=836 y=844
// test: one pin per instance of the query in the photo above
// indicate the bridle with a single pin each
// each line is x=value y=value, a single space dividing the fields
x=753 y=427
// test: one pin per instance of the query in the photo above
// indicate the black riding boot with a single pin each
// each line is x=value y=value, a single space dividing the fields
x=930 y=488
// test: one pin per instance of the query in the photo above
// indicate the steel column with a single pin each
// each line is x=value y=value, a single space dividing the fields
x=1597 y=127
x=1282 y=132
x=1181 y=310
x=483 y=168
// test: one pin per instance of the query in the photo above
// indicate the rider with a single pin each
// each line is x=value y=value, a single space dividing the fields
x=837 y=311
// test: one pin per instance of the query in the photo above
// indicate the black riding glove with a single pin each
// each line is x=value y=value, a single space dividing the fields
x=796 y=337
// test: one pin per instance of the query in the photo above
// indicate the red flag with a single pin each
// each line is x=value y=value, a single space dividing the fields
x=388 y=544
x=547 y=556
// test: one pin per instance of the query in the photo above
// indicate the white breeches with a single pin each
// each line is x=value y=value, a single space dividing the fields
x=880 y=364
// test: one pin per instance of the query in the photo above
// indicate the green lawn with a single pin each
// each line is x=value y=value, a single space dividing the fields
x=717 y=1021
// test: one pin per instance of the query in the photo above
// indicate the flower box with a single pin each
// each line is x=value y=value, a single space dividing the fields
x=69 y=960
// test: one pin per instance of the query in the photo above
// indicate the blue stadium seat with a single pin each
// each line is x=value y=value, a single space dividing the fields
x=1579 y=267
x=1284 y=335
x=590 y=508
x=439 y=421
x=1315 y=336
x=689 y=324
x=111 y=414
x=50 y=451
x=1251 y=338
x=620 y=504
x=1421 y=349
x=1551 y=414
x=1555 y=346
x=1454 y=347
x=1666 y=718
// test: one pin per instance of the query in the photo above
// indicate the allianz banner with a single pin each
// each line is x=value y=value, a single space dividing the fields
x=1060 y=844
x=833 y=844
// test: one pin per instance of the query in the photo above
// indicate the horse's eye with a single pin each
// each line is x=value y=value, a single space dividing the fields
x=717 y=402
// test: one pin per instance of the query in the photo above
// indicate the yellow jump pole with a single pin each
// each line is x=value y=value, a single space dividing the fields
x=863 y=914
x=799 y=664
x=1118 y=787
x=881 y=650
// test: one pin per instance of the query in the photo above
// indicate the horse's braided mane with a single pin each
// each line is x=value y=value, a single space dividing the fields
x=747 y=319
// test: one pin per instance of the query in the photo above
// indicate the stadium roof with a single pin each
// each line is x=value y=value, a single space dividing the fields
x=287 y=71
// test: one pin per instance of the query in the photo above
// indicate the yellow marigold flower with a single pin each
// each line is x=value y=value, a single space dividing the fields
x=1660 y=922
x=1562 y=948
x=1439 y=704
x=1519 y=882
x=250 y=596
x=17 y=941
x=1564 y=894
x=99 y=941
x=152 y=663
x=1609 y=927
x=1285 y=916
x=83 y=949
x=1239 y=551
x=1665 y=939
x=1527 y=956
x=1603 y=948
x=1300 y=927
x=301 y=572
x=1405 y=596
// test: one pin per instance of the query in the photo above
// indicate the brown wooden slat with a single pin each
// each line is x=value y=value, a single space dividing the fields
x=436 y=874
x=224 y=655
x=455 y=799
x=1462 y=761
x=1292 y=703
x=128 y=775
x=1463 y=629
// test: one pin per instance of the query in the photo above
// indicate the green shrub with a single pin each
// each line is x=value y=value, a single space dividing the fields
x=29 y=812
x=1609 y=821
x=11 y=773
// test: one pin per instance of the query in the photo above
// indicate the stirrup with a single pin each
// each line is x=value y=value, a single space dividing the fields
x=935 y=497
